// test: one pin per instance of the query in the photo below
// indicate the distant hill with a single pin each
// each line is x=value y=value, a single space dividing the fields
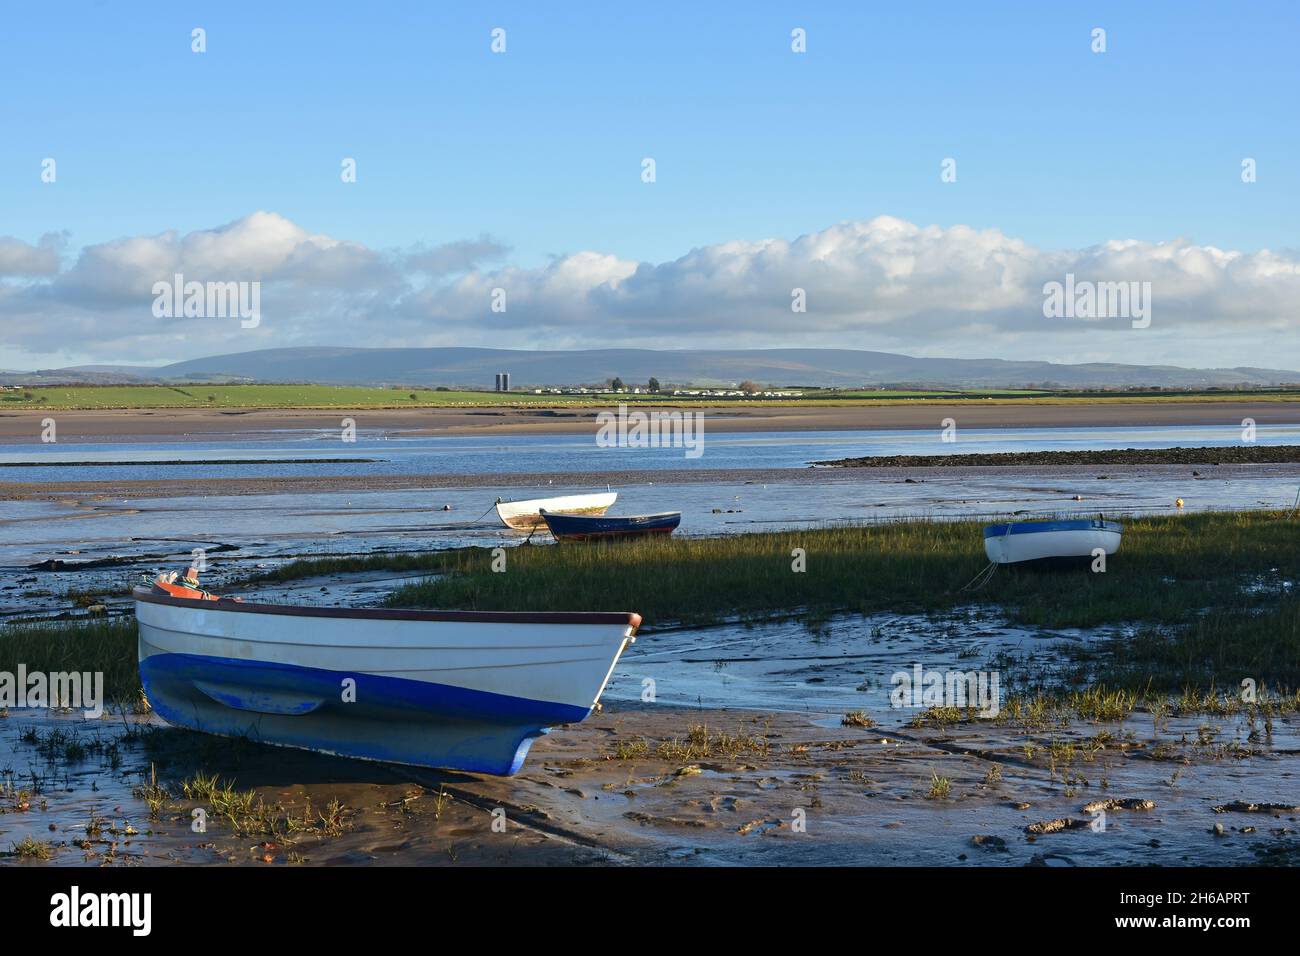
x=474 y=368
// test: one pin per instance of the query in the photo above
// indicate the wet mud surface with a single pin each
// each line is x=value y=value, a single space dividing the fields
x=771 y=744
x=656 y=784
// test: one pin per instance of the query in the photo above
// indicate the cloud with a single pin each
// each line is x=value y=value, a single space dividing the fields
x=261 y=247
x=454 y=257
x=882 y=283
x=18 y=258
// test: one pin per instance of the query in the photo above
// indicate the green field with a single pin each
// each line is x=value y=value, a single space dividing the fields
x=246 y=396
x=342 y=396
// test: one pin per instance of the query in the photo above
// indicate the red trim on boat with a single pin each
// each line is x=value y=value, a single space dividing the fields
x=629 y=618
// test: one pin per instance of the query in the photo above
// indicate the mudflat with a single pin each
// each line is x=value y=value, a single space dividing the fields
x=1232 y=454
x=546 y=482
x=654 y=785
x=197 y=424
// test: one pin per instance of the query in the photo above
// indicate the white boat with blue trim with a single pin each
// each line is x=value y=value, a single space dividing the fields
x=463 y=690
x=1014 y=542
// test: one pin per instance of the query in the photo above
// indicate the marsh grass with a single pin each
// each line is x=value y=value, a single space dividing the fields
x=440 y=803
x=1098 y=703
x=1167 y=567
x=94 y=825
x=1212 y=593
x=431 y=561
x=1251 y=639
x=635 y=749
x=702 y=743
x=72 y=746
x=332 y=818
x=943 y=717
x=940 y=787
x=30 y=849
x=857 y=718
x=107 y=646
x=153 y=795
x=247 y=813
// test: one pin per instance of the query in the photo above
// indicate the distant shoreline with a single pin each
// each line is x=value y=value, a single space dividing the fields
x=185 y=462
x=1230 y=454
x=549 y=483
x=265 y=424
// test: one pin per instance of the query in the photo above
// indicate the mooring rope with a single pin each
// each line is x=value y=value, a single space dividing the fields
x=986 y=574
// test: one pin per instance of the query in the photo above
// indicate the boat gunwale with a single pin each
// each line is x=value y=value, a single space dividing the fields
x=1001 y=530
x=582 y=517
x=542 y=501
x=628 y=618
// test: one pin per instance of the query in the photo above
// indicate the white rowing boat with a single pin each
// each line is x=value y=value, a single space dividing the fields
x=1044 y=540
x=467 y=690
x=527 y=515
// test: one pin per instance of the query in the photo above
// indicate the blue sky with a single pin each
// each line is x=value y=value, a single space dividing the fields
x=541 y=147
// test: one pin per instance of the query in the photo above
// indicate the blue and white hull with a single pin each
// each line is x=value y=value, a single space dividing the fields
x=459 y=690
x=1048 y=540
x=572 y=527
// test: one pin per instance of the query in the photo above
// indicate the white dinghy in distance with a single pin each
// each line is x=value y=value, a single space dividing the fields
x=463 y=690
x=527 y=515
x=1050 y=540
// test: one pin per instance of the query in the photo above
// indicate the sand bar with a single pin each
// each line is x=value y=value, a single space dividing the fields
x=550 y=481
x=198 y=424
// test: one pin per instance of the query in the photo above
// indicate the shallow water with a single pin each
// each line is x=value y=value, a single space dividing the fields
x=846 y=664
x=243 y=533
x=400 y=454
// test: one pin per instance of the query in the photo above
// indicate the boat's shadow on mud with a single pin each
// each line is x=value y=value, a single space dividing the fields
x=181 y=754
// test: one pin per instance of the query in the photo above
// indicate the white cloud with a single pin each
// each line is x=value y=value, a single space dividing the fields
x=882 y=283
x=18 y=258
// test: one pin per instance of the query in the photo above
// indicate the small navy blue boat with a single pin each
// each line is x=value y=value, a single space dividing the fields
x=569 y=527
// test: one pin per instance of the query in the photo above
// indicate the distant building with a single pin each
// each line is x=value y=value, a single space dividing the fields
x=503 y=382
